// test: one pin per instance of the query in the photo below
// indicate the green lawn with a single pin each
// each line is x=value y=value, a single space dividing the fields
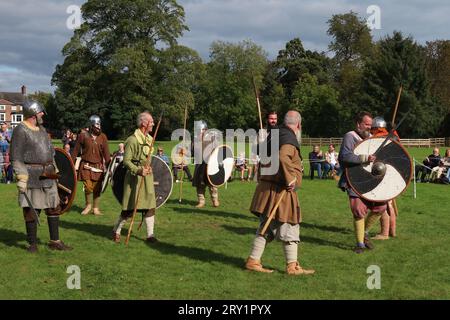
x=202 y=252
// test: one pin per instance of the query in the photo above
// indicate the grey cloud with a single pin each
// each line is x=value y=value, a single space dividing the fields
x=34 y=32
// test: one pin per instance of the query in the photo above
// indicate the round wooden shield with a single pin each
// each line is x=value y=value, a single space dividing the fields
x=162 y=178
x=67 y=181
x=220 y=165
x=395 y=162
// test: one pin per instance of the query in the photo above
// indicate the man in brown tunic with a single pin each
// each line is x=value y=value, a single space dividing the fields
x=95 y=157
x=285 y=226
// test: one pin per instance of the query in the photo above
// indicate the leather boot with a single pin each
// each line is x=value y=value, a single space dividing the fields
x=293 y=268
x=201 y=201
x=88 y=207
x=214 y=196
x=96 y=210
x=255 y=265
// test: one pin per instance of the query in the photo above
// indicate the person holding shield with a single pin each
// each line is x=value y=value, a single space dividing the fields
x=32 y=157
x=360 y=207
x=137 y=149
x=200 y=179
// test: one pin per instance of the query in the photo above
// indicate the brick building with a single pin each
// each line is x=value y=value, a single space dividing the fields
x=11 y=106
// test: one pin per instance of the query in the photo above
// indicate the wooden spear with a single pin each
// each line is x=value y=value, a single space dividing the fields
x=272 y=214
x=182 y=155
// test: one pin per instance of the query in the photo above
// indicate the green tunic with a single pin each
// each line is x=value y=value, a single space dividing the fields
x=137 y=148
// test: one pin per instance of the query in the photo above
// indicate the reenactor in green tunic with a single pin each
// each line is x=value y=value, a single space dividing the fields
x=137 y=148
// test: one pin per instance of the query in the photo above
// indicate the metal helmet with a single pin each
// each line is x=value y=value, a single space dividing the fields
x=94 y=119
x=378 y=122
x=200 y=125
x=32 y=108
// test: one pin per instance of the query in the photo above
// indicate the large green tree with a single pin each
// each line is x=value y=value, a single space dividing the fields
x=400 y=61
x=320 y=108
x=227 y=97
x=293 y=62
x=120 y=62
x=352 y=46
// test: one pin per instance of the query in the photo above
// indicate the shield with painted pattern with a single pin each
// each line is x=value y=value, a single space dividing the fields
x=220 y=165
x=387 y=177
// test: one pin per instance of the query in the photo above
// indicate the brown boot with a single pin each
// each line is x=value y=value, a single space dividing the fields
x=88 y=207
x=215 y=202
x=58 y=245
x=201 y=201
x=255 y=265
x=293 y=268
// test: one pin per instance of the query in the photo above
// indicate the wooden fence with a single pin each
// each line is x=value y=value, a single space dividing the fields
x=421 y=143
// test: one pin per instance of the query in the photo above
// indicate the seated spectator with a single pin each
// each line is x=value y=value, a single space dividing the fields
x=241 y=165
x=331 y=162
x=446 y=164
x=430 y=162
x=253 y=166
x=160 y=154
x=315 y=161
x=181 y=162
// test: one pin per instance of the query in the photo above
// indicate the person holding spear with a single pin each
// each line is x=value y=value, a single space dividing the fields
x=139 y=190
x=276 y=203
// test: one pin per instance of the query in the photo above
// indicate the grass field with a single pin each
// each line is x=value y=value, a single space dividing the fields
x=202 y=252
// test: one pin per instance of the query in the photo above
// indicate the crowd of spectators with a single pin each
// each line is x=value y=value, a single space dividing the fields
x=325 y=165
x=6 y=172
x=434 y=168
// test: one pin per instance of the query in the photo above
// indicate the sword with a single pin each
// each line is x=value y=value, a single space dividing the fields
x=31 y=206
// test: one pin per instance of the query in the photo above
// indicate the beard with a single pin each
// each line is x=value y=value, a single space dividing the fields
x=364 y=133
x=39 y=121
x=298 y=135
x=96 y=131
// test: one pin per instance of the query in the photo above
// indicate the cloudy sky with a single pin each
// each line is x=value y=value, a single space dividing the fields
x=33 y=32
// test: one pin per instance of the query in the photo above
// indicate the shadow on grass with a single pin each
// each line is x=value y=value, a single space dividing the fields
x=199 y=254
x=323 y=242
x=76 y=208
x=306 y=239
x=215 y=213
x=241 y=230
x=12 y=238
x=325 y=228
x=183 y=202
x=98 y=230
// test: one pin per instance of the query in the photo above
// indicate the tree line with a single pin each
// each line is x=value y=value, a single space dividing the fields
x=125 y=58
